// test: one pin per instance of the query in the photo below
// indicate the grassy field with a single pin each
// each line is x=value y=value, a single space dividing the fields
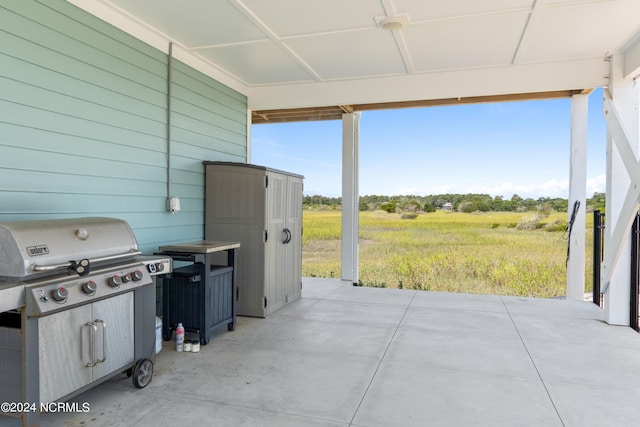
x=447 y=251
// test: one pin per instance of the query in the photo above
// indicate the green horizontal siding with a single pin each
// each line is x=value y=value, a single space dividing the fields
x=66 y=32
x=149 y=151
x=83 y=119
x=56 y=124
x=34 y=181
x=90 y=168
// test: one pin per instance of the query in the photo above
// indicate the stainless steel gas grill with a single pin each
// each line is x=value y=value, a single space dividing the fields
x=77 y=306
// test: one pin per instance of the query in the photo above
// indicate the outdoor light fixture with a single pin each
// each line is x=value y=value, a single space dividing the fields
x=392 y=23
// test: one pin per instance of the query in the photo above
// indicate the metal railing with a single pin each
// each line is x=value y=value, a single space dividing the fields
x=635 y=273
x=598 y=254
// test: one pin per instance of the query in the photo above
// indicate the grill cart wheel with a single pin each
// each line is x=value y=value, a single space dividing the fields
x=142 y=373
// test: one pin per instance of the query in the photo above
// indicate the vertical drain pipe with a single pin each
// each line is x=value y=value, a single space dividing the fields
x=173 y=203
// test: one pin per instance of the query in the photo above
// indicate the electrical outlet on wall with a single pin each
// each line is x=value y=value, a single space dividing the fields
x=173 y=205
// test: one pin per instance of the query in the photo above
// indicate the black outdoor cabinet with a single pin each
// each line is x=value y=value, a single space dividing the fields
x=201 y=302
x=202 y=296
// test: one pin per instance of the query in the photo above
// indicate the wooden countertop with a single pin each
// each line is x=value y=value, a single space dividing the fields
x=201 y=247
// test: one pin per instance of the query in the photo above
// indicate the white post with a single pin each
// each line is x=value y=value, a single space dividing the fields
x=577 y=194
x=350 y=196
x=617 y=294
x=623 y=190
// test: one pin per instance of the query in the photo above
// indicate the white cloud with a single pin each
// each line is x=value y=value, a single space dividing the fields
x=408 y=192
x=552 y=188
x=596 y=185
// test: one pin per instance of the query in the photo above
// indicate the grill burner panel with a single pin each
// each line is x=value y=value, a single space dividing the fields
x=42 y=298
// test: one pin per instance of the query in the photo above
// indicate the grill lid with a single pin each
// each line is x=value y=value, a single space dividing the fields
x=31 y=249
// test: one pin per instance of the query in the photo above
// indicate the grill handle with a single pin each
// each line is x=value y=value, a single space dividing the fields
x=104 y=340
x=72 y=264
x=92 y=344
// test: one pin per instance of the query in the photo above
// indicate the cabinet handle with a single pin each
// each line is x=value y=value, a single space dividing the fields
x=92 y=344
x=287 y=239
x=104 y=340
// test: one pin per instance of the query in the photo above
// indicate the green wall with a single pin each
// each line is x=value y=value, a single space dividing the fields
x=83 y=124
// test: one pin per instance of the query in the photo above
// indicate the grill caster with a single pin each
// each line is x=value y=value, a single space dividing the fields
x=231 y=327
x=142 y=373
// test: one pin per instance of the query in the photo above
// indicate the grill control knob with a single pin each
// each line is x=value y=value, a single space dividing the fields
x=114 y=281
x=89 y=287
x=137 y=275
x=59 y=295
x=126 y=278
x=159 y=267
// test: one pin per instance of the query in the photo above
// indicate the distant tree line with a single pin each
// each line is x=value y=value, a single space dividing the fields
x=457 y=202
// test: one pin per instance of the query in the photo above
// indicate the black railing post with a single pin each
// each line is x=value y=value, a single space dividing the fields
x=633 y=300
x=597 y=254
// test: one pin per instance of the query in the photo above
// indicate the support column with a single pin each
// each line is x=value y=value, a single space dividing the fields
x=350 y=196
x=623 y=190
x=577 y=197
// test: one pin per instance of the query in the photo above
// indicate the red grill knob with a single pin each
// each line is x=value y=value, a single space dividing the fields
x=59 y=295
x=114 y=281
x=137 y=275
x=126 y=278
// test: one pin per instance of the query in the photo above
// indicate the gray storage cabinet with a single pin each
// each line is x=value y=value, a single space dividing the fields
x=262 y=209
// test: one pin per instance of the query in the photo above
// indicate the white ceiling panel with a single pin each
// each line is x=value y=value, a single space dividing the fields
x=258 y=63
x=296 y=17
x=347 y=55
x=315 y=47
x=420 y=10
x=593 y=29
x=194 y=22
x=474 y=42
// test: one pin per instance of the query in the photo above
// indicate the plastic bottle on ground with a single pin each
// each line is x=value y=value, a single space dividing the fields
x=180 y=337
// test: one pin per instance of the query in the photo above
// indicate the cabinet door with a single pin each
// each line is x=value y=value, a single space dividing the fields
x=293 y=249
x=64 y=351
x=235 y=205
x=275 y=251
x=66 y=342
x=116 y=347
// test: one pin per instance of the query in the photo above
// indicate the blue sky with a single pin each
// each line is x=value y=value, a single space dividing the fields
x=497 y=148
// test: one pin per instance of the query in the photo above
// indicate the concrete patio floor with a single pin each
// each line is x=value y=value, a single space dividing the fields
x=351 y=356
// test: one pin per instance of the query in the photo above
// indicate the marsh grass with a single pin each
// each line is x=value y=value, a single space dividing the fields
x=447 y=251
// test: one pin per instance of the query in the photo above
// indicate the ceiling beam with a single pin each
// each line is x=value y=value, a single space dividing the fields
x=335 y=112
